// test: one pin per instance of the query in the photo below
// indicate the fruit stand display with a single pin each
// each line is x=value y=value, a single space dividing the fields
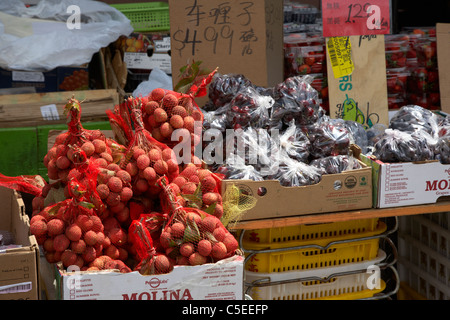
x=256 y=194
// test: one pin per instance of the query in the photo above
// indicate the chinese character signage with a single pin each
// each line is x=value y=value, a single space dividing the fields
x=354 y=17
x=243 y=37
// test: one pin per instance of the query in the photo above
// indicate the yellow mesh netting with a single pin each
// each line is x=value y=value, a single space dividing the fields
x=235 y=204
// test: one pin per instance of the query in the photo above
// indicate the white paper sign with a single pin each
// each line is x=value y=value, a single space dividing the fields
x=50 y=112
x=28 y=76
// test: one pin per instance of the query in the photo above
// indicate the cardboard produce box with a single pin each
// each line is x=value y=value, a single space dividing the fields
x=19 y=266
x=408 y=183
x=349 y=190
x=222 y=280
x=58 y=79
x=33 y=109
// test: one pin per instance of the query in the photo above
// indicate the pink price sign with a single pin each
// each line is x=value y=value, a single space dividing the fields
x=352 y=17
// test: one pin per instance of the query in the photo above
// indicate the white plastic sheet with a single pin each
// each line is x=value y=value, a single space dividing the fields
x=56 y=33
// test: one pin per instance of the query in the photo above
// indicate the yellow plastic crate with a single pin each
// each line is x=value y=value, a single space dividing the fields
x=313 y=232
x=146 y=16
x=308 y=258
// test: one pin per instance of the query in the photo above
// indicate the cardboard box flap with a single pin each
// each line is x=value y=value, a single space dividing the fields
x=20 y=110
x=443 y=53
x=335 y=192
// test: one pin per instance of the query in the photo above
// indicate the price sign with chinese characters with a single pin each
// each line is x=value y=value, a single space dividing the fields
x=355 y=17
x=243 y=37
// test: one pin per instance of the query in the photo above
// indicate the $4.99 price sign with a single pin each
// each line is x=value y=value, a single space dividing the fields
x=355 y=17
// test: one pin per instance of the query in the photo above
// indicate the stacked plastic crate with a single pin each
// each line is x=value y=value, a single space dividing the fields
x=338 y=260
x=424 y=254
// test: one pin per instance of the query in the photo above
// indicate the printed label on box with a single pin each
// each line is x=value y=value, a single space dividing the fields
x=16 y=288
x=49 y=112
x=28 y=76
x=139 y=60
x=222 y=280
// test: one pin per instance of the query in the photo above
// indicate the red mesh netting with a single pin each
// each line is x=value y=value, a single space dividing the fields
x=192 y=236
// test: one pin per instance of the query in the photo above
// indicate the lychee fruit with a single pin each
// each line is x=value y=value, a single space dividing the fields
x=157 y=94
x=160 y=115
x=179 y=110
x=166 y=130
x=218 y=211
x=189 y=123
x=141 y=185
x=165 y=239
x=78 y=246
x=132 y=168
x=231 y=243
x=162 y=263
x=84 y=222
x=209 y=223
x=177 y=230
x=169 y=101
x=113 y=199
x=154 y=155
x=123 y=175
x=150 y=107
x=156 y=133
x=172 y=165
x=89 y=254
x=118 y=236
x=149 y=174
x=55 y=227
x=61 y=242
x=99 y=145
x=101 y=162
x=73 y=232
x=90 y=237
x=196 y=259
x=112 y=252
x=88 y=148
x=68 y=258
x=123 y=215
x=179 y=181
x=174 y=187
x=38 y=228
x=197 y=115
x=143 y=161
x=48 y=245
x=62 y=162
x=103 y=191
x=161 y=167
x=219 y=234
x=186 y=249
x=137 y=151
x=209 y=198
x=126 y=194
x=208 y=184
x=113 y=167
x=204 y=247
x=189 y=170
x=176 y=121
x=219 y=250
x=189 y=188
x=108 y=157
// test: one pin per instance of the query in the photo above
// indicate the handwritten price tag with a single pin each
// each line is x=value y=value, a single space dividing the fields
x=353 y=17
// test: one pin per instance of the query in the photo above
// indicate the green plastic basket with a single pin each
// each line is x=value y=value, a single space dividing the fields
x=146 y=16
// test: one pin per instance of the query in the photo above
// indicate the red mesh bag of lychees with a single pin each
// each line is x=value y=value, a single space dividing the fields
x=147 y=159
x=165 y=111
x=150 y=261
x=61 y=158
x=192 y=236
